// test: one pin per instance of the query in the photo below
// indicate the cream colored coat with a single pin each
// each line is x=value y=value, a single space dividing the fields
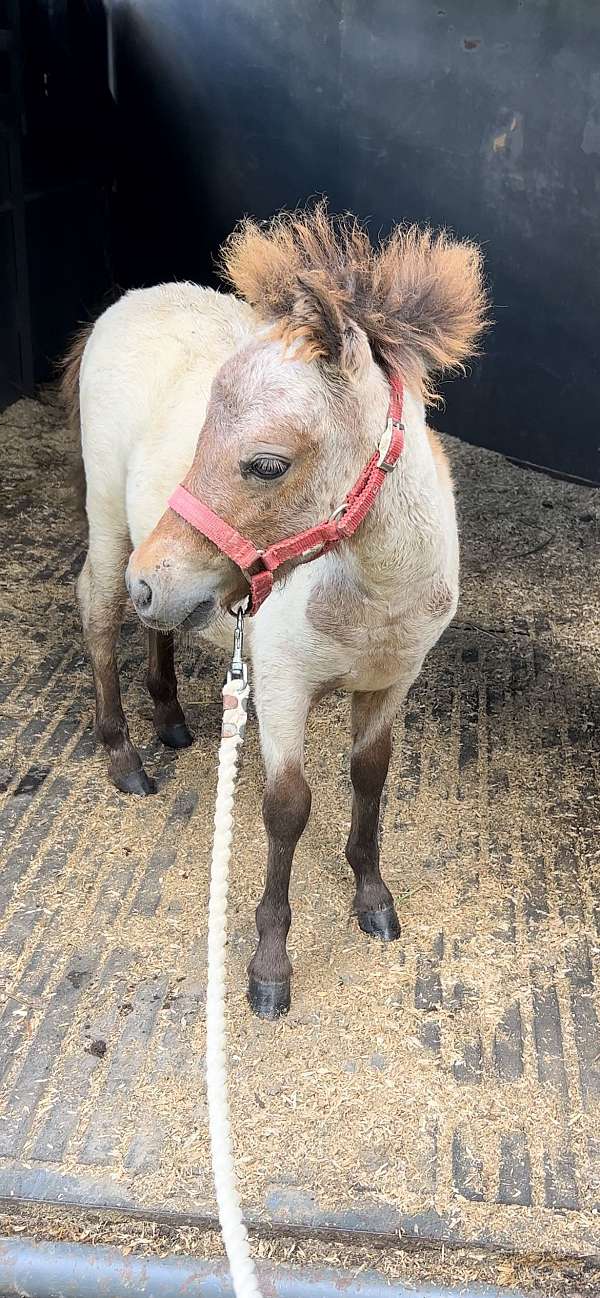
x=361 y=618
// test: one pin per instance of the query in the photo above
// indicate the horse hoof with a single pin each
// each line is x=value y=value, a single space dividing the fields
x=135 y=782
x=269 y=1000
x=383 y=924
x=176 y=736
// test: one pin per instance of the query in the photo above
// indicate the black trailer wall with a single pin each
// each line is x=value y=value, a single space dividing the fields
x=483 y=117
x=56 y=161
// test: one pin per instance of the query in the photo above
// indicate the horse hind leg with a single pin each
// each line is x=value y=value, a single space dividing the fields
x=101 y=595
x=372 y=716
x=169 y=720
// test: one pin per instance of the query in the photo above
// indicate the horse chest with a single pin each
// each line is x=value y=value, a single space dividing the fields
x=361 y=646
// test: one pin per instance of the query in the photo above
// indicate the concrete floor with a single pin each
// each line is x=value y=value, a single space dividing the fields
x=446 y=1087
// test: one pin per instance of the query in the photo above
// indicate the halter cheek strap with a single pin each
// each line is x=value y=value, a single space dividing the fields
x=258 y=566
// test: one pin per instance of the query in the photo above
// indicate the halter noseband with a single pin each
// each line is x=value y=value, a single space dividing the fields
x=258 y=566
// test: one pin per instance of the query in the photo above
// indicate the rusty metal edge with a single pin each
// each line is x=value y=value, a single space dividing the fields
x=46 y=1270
x=408 y=1233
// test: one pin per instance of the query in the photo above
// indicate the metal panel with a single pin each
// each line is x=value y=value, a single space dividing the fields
x=485 y=118
x=54 y=146
x=16 y=357
x=76 y=1271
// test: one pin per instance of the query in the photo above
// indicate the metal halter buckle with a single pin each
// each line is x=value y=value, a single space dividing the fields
x=238 y=670
x=386 y=442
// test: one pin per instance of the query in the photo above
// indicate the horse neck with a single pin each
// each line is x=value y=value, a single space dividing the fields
x=396 y=543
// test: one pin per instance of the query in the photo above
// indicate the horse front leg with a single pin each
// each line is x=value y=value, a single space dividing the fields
x=282 y=713
x=372 y=718
x=101 y=595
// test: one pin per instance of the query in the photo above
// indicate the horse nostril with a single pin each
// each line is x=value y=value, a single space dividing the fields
x=142 y=594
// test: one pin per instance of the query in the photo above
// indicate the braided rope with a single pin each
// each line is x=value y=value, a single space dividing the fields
x=235 y=1236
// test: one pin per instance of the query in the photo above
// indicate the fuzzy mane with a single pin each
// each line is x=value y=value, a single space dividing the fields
x=419 y=297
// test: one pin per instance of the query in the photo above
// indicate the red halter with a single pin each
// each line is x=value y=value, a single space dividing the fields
x=258 y=566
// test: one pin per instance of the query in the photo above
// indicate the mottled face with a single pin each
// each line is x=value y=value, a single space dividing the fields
x=268 y=462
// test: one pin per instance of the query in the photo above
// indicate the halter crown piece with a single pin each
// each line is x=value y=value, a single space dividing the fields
x=258 y=566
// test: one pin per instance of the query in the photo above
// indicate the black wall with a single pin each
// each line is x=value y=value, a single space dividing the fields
x=484 y=117
x=481 y=116
x=56 y=166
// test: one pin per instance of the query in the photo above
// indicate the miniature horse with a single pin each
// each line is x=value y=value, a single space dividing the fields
x=267 y=405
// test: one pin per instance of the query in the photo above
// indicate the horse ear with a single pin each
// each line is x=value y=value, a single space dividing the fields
x=316 y=321
x=356 y=355
x=324 y=332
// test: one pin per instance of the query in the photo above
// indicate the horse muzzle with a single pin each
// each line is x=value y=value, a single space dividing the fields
x=162 y=604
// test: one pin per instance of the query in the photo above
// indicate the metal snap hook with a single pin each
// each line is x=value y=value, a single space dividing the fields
x=237 y=669
x=241 y=605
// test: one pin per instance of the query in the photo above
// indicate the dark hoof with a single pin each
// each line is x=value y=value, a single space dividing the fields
x=135 y=782
x=269 y=1000
x=380 y=923
x=177 y=736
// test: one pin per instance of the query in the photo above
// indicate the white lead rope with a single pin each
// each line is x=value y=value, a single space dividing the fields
x=235 y=1236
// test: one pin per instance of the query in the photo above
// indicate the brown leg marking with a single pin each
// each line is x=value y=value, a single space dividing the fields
x=373 y=902
x=286 y=809
x=101 y=618
x=169 y=721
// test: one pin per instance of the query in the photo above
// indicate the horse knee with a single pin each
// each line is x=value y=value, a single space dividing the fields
x=286 y=805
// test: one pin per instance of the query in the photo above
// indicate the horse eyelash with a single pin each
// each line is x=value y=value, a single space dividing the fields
x=246 y=467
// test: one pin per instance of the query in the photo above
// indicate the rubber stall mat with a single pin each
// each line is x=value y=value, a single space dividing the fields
x=445 y=1087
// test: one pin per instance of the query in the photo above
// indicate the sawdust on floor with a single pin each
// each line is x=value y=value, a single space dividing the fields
x=389 y=1055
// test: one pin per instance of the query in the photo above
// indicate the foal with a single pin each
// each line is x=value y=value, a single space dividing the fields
x=276 y=398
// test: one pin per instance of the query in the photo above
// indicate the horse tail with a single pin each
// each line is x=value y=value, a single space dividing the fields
x=69 y=368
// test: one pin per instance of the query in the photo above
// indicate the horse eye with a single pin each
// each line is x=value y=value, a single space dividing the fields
x=266 y=467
